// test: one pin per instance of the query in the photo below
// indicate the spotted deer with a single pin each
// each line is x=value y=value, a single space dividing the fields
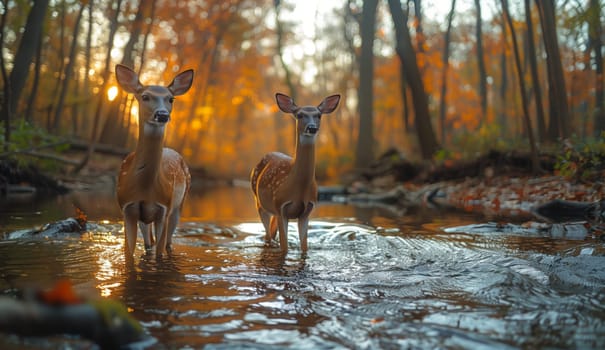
x=153 y=180
x=285 y=187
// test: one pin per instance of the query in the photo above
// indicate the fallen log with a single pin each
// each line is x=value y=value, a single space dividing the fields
x=565 y=211
x=60 y=311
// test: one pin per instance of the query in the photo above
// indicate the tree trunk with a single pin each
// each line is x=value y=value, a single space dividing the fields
x=6 y=98
x=31 y=101
x=280 y=122
x=146 y=36
x=113 y=28
x=502 y=118
x=535 y=162
x=533 y=66
x=85 y=129
x=67 y=76
x=405 y=51
x=403 y=89
x=595 y=30
x=136 y=28
x=420 y=40
x=481 y=63
x=61 y=54
x=25 y=53
x=557 y=93
x=365 y=95
x=350 y=16
x=279 y=31
x=407 y=126
x=446 y=64
x=115 y=132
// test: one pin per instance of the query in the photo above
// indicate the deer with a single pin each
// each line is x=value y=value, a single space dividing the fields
x=153 y=180
x=284 y=187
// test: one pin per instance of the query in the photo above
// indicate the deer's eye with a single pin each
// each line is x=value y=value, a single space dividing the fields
x=145 y=97
x=171 y=99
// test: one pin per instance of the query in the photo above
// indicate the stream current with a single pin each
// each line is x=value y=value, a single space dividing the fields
x=373 y=278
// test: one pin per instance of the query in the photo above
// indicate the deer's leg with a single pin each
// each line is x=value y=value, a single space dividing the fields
x=266 y=219
x=173 y=221
x=131 y=217
x=146 y=231
x=282 y=223
x=273 y=227
x=303 y=226
x=160 y=227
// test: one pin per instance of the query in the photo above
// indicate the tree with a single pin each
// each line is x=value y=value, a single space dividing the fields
x=279 y=31
x=503 y=79
x=365 y=95
x=280 y=122
x=533 y=65
x=7 y=88
x=403 y=85
x=595 y=32
x=481 y=61
x=115 y=132
x=557 y=93
x=68 y=70
x=31 y=102
x=23 y=58
x=113 y=28
x=420 y=40
x=405 y=51
x=528 y=128
x=87 y=62
x=446 y=65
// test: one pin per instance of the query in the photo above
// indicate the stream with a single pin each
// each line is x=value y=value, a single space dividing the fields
x=374 y=278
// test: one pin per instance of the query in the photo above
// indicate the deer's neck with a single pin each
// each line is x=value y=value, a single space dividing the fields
x=148 y=153
x=303 y=166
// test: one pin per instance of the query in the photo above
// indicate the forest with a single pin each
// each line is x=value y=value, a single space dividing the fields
x=435 y=80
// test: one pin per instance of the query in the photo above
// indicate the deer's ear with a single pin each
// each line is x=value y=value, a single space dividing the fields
x=329 y=104
x=181 y=83
x=285 y=103
x=127 y=79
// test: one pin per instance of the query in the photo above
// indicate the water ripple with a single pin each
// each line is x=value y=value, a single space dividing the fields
x=359 y=286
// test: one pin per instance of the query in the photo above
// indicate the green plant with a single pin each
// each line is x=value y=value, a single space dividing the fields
x=582 y=160
x=25 y=138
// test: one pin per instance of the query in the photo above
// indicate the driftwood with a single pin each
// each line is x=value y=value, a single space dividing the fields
x=566 y=211
x=67 y=226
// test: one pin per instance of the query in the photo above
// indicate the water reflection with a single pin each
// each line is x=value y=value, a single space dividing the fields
x=370 y=280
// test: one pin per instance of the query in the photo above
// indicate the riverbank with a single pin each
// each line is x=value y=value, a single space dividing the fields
x=496 y=184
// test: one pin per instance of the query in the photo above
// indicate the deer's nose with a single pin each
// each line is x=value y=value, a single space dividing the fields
x=311 y=129
x=161 y=116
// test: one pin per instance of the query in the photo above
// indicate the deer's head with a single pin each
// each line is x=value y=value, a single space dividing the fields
x=308 y=118
x=155 y=102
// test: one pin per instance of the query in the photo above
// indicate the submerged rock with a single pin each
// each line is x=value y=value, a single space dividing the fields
x=67 y=226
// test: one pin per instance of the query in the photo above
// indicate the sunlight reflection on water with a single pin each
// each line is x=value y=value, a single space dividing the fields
x=369 y=280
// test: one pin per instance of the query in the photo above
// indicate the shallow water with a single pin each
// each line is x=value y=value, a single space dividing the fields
x=373 y=278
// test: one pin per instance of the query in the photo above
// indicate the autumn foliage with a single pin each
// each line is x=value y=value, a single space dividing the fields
x=228 y=120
